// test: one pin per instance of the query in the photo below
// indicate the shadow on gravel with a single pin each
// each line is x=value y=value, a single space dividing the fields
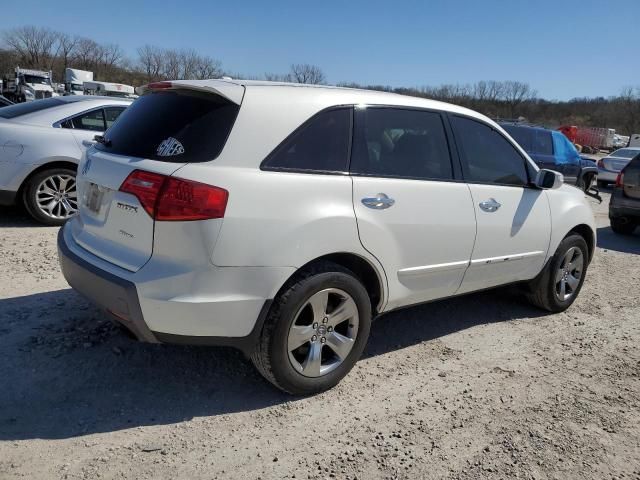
x=12 y=217
x=67 y=371
x=609 y=240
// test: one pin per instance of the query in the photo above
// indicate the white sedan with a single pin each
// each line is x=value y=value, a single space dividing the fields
x=41 y=143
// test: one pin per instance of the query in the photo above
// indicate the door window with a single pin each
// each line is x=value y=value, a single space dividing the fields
x=396 y=142
x=111 y=114
x=93 y=120
x=488 y=157
x=542 y=142
x=321 y=145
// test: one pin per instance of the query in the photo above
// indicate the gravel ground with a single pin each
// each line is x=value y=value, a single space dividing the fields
x=482 y=386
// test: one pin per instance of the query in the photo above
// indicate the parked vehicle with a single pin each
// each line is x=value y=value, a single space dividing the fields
x=26 y=85
x=4 y=101
x=620 y=141
x=74 y=80
x=610 y=166
x=592 y=137
x=624 y=207
x=280 y=219
x=43 y=142
x=551 y=149
x=634 y=140
x=109 y=89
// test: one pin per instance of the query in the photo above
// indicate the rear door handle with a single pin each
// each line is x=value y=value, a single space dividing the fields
x=378 y=202
x=490 y=205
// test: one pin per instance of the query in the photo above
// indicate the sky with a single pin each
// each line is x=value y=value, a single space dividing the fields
x=562 y=48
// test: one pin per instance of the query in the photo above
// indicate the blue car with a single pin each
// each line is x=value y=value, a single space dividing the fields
x=551 y=149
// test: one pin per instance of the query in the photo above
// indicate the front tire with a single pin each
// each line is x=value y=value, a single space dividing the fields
x=50 y=196
x=559 y=284
x=316 y=330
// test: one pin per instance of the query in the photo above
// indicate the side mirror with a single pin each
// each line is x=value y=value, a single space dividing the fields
x=549 y=179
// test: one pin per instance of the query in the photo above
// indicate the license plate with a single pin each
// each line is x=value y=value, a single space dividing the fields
x=93 y=198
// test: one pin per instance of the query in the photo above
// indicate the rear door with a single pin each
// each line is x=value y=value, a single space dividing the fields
x=161 y=132
x=412 y=214
x=514 y=224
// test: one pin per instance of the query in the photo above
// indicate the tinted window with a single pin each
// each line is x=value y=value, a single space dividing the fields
x=321 y=145
x=93 y=120
x=622 y=153
x=488 y=156
x=111 y=114
x=19 y=109
x=542 y=143
x=173 y=126
x=402 y=143
x=520 y=135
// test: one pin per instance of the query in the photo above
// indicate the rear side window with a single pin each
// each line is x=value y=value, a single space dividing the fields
x=173 y=126
x=322 y=144
x=402 y=143
x=19 y=109
x=488 y=157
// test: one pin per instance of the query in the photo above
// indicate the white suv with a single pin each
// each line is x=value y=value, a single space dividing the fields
x=281 y=219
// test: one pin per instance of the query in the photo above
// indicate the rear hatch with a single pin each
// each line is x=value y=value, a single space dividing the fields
x=631 y=179
x=122 y=178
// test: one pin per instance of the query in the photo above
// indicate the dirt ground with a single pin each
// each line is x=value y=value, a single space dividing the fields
x=482 y=386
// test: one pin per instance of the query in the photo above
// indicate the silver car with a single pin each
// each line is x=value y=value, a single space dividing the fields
x=41 y=143
x=610 y=166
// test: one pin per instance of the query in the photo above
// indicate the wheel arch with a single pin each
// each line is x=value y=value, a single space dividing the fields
x=58 y=163
x=586 y=232
x=373 y=280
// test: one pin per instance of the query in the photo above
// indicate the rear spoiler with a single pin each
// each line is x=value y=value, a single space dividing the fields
x=231 y=91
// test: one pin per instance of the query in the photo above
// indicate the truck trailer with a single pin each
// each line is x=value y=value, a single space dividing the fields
x=74 y=80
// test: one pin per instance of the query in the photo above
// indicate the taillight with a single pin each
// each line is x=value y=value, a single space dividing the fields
x=158 y=85
x=175 y=199
x=620 y=180
x=146 y=186
x=600 y=163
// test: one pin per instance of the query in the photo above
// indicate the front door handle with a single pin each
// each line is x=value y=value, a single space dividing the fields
x=378 y=202
x=490 y=205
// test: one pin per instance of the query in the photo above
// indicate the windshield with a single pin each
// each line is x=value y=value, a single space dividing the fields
x=36 y=79
x=76 y=87
x=625 y=153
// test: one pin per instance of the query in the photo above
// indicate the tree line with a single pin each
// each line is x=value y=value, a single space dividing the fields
x=45 y=49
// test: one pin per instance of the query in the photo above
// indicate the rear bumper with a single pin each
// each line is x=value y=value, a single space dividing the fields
x=621 y=206
x=607 y=175
x=180 y=322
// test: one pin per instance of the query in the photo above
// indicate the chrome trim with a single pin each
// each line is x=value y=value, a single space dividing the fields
x=490 y=205
x=506 y=258
x=426 y=269
x=378 y=202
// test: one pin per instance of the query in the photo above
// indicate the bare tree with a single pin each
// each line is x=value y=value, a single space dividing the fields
x=515 y=93
x=151 y=61
x=305 y=73
x=278 y=77
x=66 y=47
x=34 y=46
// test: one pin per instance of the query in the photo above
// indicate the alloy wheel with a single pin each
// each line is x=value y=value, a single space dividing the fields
x=57 y=197
x=323 y=332
x=569 y=274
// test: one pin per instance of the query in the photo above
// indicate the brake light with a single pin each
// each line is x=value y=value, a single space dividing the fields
x=145 y=186
x=167 y=198
x=620 y=180
x=158 y=85
x=600 y=163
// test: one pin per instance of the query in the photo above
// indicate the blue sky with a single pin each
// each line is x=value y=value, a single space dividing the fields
x=563 y=48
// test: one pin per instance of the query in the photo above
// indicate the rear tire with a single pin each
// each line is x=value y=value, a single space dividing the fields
x=48 y=186
x=622 y=227
x=559 y=284
x=314 y=366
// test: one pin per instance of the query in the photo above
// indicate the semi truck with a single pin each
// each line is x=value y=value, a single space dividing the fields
x=108 y=89
x=26 y=85
x=74 y=80
x=590 y=138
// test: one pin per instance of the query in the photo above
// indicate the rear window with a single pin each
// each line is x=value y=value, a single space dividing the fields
x=172 y=126
x=623 y=153
x=19 y=109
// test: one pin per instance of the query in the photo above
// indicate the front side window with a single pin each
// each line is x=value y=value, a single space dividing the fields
x=322 y=144
x=542 y=143
x=402 y=143
x=522 y=135
x=93 y=120
x=488 y=157
x=111 y=114
x=565 y=151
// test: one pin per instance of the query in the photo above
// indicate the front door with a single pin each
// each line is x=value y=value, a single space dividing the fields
x=513 y=219
x=411 y=214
